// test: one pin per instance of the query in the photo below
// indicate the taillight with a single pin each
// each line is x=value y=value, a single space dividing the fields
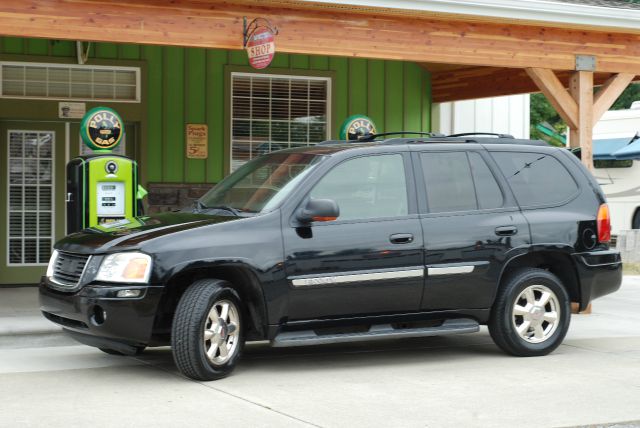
x=604 y=224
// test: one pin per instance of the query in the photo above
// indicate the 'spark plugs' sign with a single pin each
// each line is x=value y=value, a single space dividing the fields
x=101 y=129
x=197 y=137
x=261 y=48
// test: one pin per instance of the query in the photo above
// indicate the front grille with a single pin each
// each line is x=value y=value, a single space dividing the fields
x=68 y=269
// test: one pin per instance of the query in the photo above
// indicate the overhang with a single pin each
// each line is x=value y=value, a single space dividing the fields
x=311 y=28
x=541 y=11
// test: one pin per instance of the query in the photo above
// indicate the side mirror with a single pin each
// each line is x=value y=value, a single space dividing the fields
x=319 y=210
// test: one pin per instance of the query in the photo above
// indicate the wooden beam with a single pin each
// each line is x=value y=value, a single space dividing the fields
x=457 y=83
x=581 y=89
x=609 y=93
x=351 y=31
x=558 y=97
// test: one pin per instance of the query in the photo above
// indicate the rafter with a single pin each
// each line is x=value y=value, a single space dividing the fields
x=558 y=97
x=609 y=93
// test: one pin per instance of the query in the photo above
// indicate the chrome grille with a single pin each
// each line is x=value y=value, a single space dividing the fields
x=68 y=268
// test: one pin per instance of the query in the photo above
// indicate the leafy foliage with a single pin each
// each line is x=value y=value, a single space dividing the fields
x=628 y=96
x=542 y=112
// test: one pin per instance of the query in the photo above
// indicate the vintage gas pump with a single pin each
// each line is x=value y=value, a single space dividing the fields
x=101 y=187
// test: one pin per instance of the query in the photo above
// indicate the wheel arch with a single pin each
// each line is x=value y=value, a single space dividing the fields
x=243 y=280
x=635 y=219
x=558 y=262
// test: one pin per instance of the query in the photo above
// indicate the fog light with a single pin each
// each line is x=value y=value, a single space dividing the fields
x=99 y=315
x=128 y=293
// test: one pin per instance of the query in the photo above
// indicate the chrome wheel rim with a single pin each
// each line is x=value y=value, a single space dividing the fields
x=536 y=314
x=221 y=331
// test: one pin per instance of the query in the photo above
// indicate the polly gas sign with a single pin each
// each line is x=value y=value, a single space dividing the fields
x=101 y=129
x=261 y=48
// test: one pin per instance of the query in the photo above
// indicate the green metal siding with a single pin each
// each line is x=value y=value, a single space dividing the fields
x=186 y=85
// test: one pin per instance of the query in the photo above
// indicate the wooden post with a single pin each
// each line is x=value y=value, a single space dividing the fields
x=581 y=90
x=578 y=107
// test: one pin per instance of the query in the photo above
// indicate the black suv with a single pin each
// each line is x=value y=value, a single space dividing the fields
x=405 y=237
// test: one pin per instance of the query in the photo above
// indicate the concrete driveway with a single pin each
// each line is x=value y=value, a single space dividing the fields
x=457 y=381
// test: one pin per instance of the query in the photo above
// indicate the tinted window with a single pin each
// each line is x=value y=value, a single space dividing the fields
x=536 y=178
x=366 y=187
x=449 y=182
x=487 y=189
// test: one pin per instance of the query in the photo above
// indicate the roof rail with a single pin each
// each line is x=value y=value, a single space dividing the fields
x=469 y=134
x=371 y=137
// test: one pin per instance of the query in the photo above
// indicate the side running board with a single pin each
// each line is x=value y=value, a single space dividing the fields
x=376 y=332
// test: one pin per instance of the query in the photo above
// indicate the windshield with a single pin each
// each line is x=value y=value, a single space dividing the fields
x=261 y=184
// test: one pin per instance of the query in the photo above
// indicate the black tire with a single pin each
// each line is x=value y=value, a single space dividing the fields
x=502 y=324
x=636 y=220
x=138 y=350
x=188 y=330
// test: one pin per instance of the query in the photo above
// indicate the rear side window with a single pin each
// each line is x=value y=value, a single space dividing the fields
x=487 y=189
x=536 y=178
x=456 y=181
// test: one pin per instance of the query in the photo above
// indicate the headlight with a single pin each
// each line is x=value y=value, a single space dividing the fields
x=52 y=263
x=125 y=267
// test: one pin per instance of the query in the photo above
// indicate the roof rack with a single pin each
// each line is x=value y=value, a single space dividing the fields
x=430 y=137
x=371 y=137
x=470 y=134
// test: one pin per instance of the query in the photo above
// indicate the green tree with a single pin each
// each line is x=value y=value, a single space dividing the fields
x=541 y=112
x=628 y=96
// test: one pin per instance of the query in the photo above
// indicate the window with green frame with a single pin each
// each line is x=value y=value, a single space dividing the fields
x=272 y=112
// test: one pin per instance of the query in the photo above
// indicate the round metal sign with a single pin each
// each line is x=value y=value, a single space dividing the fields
x=101 y=129
x=261 y=48
x=357 y=126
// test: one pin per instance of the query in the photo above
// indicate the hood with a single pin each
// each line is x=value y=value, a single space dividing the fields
x=131 y=233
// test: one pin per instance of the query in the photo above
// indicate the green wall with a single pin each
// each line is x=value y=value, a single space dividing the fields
x=186 y=85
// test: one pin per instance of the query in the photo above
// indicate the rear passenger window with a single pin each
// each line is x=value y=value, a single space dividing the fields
x=456 y=182
x=487 y=189
x=536 y=178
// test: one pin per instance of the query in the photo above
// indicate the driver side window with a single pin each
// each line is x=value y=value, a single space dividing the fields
x=366 y=187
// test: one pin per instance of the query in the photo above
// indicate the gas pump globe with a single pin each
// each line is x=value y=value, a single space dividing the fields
x=102 y=186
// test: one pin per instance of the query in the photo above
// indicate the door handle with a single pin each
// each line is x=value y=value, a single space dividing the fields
x=401 y=238
x=506 y=230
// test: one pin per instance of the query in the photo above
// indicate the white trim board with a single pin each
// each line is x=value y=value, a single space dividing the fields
x=527 y=10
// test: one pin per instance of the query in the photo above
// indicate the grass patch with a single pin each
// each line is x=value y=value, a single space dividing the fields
x=631 y=268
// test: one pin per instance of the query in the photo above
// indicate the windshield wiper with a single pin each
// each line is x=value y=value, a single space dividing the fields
x=232 y=210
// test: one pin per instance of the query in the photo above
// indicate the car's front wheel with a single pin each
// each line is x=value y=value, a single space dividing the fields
x=531 y=314
x=207 y=335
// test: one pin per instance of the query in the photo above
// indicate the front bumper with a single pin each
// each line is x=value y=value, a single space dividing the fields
x=96 y=316
x=600 y=273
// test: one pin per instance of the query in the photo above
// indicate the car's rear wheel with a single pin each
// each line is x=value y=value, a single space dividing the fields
x=531 y=314
x=207 y=335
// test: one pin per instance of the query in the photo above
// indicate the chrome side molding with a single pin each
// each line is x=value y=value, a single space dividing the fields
x=449 y=270
x=358 y=276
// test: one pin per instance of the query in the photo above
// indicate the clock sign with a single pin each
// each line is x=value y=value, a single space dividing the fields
x=101 y=129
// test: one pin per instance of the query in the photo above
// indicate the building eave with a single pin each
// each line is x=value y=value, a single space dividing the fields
x=543 y=11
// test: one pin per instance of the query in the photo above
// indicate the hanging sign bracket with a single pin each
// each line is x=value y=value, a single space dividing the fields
x=253 y=26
